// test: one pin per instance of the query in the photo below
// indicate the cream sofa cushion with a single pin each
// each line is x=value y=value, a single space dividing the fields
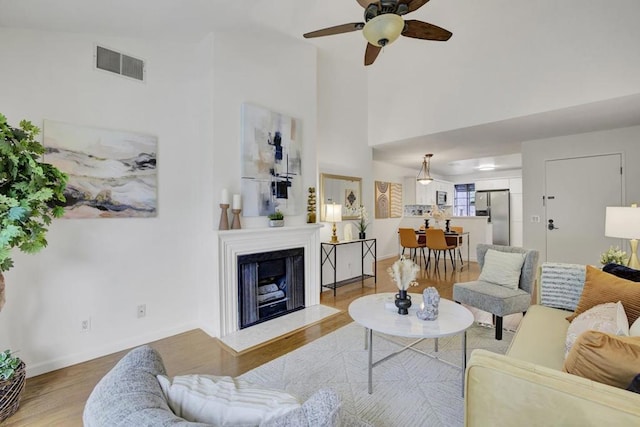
x=541 y=337
x=501 y=391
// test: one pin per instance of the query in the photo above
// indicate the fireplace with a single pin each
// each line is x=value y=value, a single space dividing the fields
x=270 y=284
x=236 y=243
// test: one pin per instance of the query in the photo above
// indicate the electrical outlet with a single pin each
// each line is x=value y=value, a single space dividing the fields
x=85 y=325
x=142 y=310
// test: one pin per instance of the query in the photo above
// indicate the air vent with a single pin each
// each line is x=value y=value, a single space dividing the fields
x=119 y=63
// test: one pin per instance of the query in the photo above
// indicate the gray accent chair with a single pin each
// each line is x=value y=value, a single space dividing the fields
x=499 y=300
x=130 y=396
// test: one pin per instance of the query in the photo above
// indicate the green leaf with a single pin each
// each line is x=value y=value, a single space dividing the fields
x=8 y=233
x=17 y=213
x=28 y=187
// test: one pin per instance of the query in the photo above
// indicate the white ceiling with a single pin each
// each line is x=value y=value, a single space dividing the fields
x=456 y=152
x=463 y=151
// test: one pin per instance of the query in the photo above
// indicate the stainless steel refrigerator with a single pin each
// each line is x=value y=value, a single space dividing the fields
x=495 y=204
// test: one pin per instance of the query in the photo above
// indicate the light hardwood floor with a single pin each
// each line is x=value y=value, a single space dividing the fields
x=57 y=398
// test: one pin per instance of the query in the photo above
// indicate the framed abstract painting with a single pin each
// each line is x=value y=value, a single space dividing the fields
x=112 y=173
x=271 y=162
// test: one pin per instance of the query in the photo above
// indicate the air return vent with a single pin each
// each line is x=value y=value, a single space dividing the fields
x=119 y=63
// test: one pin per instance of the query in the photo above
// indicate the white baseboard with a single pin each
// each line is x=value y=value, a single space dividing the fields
x=73 y=359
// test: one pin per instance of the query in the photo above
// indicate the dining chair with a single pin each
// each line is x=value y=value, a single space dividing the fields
x=458 y=230
x=408 y=240
x=437 y=242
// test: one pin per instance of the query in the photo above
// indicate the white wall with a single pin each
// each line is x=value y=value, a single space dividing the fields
x=553 y=59
x=536 y=153
x=342 y=147
x=267 y=70
x=104 y=268
x=387 y=228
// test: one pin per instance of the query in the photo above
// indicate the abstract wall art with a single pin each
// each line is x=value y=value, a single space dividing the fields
x=382 y=199
x=112 y=173
x=271 y=162
x=396 y=207
x=388 y=200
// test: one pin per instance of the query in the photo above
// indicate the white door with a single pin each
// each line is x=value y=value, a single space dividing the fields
x=577 y=192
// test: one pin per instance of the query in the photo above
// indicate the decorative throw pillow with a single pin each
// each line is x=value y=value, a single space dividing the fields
x=502 y=268
x=604 y=358
x=622 y=271
x=224 y=401
x=634 y=330
x=635 y=384
x=609 y=317
x=601 y=287
x=561 y=285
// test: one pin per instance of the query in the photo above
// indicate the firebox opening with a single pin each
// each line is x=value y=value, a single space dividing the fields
x=270 y=284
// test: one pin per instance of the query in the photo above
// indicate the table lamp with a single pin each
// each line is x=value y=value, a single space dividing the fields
x=624 y=222
x=333 y=214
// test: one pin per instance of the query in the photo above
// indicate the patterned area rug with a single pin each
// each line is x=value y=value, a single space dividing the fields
x=410 y=389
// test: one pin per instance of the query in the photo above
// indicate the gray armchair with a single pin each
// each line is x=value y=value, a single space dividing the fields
x=130 y=395
x=495 y=299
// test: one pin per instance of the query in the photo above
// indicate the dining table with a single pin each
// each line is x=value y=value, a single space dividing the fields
x=452 y=238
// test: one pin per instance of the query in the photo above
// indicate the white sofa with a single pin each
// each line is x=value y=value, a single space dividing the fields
x=527 y=387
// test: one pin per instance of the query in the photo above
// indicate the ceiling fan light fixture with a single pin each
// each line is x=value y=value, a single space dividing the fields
x=424 y=176
x=383 y=29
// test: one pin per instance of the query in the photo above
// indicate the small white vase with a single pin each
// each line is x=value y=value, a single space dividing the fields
x=276 y=222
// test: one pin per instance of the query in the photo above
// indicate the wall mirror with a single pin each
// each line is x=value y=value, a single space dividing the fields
x=341 y=190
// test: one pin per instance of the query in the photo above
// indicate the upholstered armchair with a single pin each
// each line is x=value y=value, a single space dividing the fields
x=500 y=290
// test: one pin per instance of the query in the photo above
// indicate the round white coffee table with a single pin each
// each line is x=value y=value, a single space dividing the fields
x=373 y=312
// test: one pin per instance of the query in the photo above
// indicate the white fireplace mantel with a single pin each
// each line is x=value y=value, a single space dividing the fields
x=233 y=243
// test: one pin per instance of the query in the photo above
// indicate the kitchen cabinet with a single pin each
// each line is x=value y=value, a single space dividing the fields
x=409 y=191
x=426 y=194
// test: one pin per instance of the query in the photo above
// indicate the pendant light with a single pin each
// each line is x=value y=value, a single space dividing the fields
x=424 y=176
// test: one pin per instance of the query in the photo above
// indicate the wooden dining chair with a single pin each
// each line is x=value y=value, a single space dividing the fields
x=458 y=230
x=437 y=242
x=408 y=240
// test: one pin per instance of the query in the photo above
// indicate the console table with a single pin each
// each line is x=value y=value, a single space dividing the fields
x=329 y=253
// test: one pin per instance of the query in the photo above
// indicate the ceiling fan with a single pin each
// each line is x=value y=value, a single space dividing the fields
x=384 y=24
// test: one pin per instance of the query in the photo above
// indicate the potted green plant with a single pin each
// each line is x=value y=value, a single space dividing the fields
x=31 y=193
x=614 y=255
x=276 y=219
x=12 y=379
x=362 y=223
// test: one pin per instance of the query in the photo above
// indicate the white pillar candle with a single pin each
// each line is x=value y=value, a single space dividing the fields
x=236 y=201
x=224 y=199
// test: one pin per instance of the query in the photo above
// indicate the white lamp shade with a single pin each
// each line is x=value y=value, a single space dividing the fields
x=385 y=27
x=333 y=213
x=622 y=222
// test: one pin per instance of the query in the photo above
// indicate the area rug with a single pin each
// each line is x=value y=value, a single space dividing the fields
x=409 y=389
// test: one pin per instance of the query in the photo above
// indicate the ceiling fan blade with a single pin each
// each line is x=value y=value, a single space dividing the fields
x=365 y=3
x=371 y=53
x=338 y=29
x=412 y=4
x=425 y=31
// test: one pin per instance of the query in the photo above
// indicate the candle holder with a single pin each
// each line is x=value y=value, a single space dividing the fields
x=235 y=224
x=224 y=217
